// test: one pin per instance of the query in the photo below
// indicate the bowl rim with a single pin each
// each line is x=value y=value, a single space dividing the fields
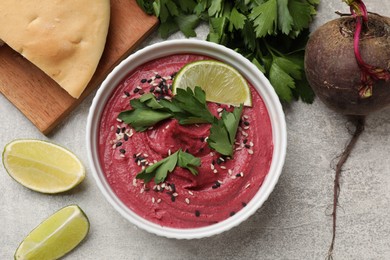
x=213 y=50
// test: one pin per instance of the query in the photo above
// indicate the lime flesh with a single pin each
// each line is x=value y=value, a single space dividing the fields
x=42 y=166
x=55 y=236
x=221 y=82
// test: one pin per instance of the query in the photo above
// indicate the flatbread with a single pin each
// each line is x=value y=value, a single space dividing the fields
x=64 y=38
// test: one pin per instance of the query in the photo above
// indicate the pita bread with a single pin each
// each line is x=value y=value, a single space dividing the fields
x=64 y=38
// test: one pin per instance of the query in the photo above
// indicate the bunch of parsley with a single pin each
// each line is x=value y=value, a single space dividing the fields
x=270 y=33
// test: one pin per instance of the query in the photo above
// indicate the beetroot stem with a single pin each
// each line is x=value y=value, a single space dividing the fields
x=369 y=73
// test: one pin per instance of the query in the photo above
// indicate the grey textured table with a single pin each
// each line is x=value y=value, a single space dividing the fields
x=293 y=223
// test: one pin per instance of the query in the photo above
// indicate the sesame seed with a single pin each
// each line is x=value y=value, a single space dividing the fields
x=142 y=190
x=223 y=167
x=212 y=166
x=122 y=155
x=169 y=151
x=119 y=120
x=245 y=117
x=159 y=200
x=230 y=172
x=246 y=127
x=190 y=192
x=247 y=186
x=175 y=194
x=215 y=171
x=197 y=213
x=187 y=200
x=250 y=151
x=251 y=144
x=153 y=199
x=219 y=110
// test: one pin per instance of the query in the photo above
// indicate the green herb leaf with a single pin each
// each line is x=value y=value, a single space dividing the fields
x=160 y=170
x=223 y=131
x=146 y=112
x=264 y=18
x=193 y=107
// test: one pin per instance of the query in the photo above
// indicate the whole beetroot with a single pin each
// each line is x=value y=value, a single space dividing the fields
x=333 y=72
x=347 y=63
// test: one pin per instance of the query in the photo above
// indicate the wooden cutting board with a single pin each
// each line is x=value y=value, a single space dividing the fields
x=40 y=98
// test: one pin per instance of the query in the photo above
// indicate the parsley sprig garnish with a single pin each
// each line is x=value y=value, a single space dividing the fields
x=160 y=170
x=188 y=107
x=270 y=33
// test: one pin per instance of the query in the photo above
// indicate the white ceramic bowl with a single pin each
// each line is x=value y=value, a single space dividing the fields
x=249 y=71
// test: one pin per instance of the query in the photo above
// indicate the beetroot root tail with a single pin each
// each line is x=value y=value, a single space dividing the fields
x=359 y=123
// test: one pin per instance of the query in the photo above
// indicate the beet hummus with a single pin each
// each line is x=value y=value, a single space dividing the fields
x=223 y=185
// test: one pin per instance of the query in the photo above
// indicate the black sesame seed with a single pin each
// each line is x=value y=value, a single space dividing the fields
x=150 y=80
x=238 y=175
x=232 y=213
x=122 y=151
x=126 y=137
x=158 y=76
x=243 y=204
x=136 y=90
x=152 y=89
x=247 y=146
x=143 y=80
x=173 y=187
x=197 y=213
x=173 y=198
x=216 y=185
x=245 y=141
x=118 y=144
x=134 y=156
x=127 y=93
x=173 y=74
x=246 y=123
x=118 y=130
x=219 y=161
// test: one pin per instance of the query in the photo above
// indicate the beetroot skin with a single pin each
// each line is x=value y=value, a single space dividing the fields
x=332 y=70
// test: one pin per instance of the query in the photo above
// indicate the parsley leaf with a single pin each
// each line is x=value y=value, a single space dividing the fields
x=264 y=18
x=160 y=170
x=223 y=131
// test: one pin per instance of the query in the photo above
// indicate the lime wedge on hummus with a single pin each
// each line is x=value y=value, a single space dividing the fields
x=55 y=236
x=42 y=166
x=221 y=82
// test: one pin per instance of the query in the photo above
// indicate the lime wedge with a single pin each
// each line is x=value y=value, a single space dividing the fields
x=55 y=236
x=42 y=166
x=221 y=82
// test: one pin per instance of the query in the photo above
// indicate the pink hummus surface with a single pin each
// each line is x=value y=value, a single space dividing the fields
x=223 y=186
